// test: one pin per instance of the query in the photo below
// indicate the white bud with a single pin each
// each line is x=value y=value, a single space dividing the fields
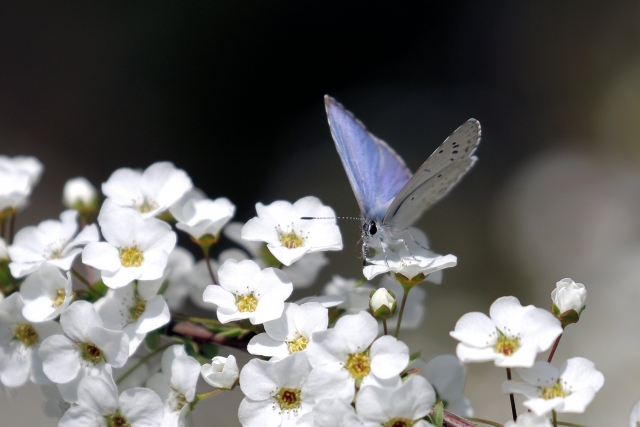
x=569 y=295
x=221 y=373
x=79 y=192
x=382 y=298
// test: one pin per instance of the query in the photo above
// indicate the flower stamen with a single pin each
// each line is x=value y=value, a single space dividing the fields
x=247 y=303
x=359 y=365
x=288 y=398
x=131 y=257
x=26 y=333
x=297 y=344
x=60 y=296
x=506 y=345
x=399 y=422
x=91 y=353
x=552 y=392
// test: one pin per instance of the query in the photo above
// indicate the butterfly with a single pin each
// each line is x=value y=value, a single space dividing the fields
x=390 y=197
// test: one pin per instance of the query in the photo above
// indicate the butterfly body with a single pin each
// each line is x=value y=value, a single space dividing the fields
x=390 y=197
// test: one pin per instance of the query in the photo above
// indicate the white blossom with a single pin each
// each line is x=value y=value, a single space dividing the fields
x=291 y=332
x=78 y=193
x=287 y=236
x=331 y=413
x=14 y=190
x=246 y=292
x=512 y=336
x=222 y=372
x=54 y=406
x=23 y=164
x=205 y=217
x=355 y=293
x=46 y=293
x=135 y=247
x=529 y=419
x=382 y=298
x=570 y=389
x=634 y=415
x=569 y=295
x=54 y=242
x=176 y=277
x=19 y=344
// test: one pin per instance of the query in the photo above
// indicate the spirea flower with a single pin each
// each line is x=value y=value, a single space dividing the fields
x=331 y=413
x=291 y=332
x=529 y=419
x=382 y=303
x=46 y=293
x=176 y=277
x=203 y=219
x=135 y=247
x=246 y=292
x=79 y=194
x=276 y=393
x=222 y=372
x=355 y=293
x=14 y=191
x=54 y=242
x=24 y=164
x=287 y=236
x=88 y=349
x=100 y=405
x=415 y=264
x=19 y=344
x=568 y=301
x=349 y=354
x=570 y=389
x=405 y=404
x=512 y=336
x=176 y=384
x=54 y=406
x=149 y=192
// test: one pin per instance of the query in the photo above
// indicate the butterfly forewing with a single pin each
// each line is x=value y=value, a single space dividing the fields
x=436 y=177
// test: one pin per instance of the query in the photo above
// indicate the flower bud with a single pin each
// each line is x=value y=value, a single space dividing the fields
x=382 y=302
x=80 y=194
x=221 y=373
x=568 y=301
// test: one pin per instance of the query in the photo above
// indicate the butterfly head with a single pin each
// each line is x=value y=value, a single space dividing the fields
x=369 y=228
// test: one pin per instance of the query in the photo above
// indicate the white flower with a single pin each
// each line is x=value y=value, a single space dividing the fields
x=135 y=247
x=276 y=393
x=569 y=295
x=347 y=354
x=331 y=413
x=24 y=164
x=54 y=406
x=447 y=376
x=78 y=193
x=88 y=349
x=176 y=384
x=149 y=192
x=246 y=292
x=634 y=416
x=529 y=419
x=409 y=263
x=511 y=337
x=291 y=332
x=222 y=372
x=302 y=273
x=205 y=217
x=198 y=281
x=99 y=405
x=176 y=277
x=287 y=236
x=571 y=389
x=14 y=191
x=54 y=242
x=46 y=293
x=381 y=298
x=414 y=309
x=355 y=293
x=135 y=310
x=407 y=403
x=19 y=344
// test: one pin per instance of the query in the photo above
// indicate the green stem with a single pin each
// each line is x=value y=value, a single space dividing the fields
x=480 y=420
x=404 y=301
x=562 y=423
x=207 y=260
x=141 y=362
x=203 y=320
x=384 y=325
x=85 y=282
x=555 y=419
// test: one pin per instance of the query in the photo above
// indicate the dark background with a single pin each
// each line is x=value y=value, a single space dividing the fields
x=232 y=93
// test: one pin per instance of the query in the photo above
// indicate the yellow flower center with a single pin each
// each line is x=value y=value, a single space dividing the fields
x=297 y=344
x=288 y=398
x=359 y=365
x=131 y=257
x=178 y=401
x=117 y=420
x=553 y=392
x=138 y=307
x=60 y=296
x=246 y=303
x=506 y=345
x=91 y=353
x=289 y=238
x=147 y=205
x=26 y=333
x=399 y=422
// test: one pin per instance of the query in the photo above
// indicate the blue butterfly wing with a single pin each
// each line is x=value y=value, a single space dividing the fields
x=375 y=171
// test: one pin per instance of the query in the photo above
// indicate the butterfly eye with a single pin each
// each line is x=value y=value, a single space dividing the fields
x=373 y=229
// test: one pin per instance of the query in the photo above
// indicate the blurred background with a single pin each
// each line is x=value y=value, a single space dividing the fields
x=232 y=93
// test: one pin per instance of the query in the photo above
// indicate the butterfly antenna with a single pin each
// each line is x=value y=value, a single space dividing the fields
x=330 y=217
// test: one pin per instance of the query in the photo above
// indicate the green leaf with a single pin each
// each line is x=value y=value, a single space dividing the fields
x=438 y=415
x=152 y=340
x=209 y=350
x=415 y=356
x=192 y=349
x=555 y=310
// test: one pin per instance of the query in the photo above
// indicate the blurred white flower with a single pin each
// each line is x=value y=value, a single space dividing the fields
x=406 y=403
x=202 y=218
x=25 y=164
x=78 y=193
x=88 y=349
x=176 y=277
x=222 y=372
x=511 y=337
x=349 y=353
x=246 y=292
x=414 y=309
x=14 y=191
x=176 y=384
x=149 y=192
x=355 y=293
x=135 y=378
x=291 y=332
x=54 y=242
x=634 y=415
x=193 y=194
x=571 y=389
x=569 y=295
x=19 y=344
x=418 y=261
x=529 y=419
x=98 y=400
x=54 y=406
x=275 y=392
x=302 y=273
x=46 y=293
x=447 y=376
x=287 y=236
x=135 y=247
